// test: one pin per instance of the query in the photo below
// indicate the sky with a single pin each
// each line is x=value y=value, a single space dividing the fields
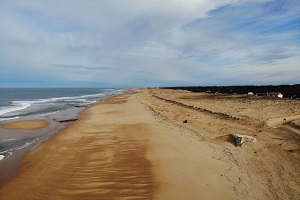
x=149 y=43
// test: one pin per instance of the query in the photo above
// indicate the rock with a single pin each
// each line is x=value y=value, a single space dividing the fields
x=68 y=120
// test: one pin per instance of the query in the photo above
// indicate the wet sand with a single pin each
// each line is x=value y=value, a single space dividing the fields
x=42 y=129
x=136 y=146
x=26 y=124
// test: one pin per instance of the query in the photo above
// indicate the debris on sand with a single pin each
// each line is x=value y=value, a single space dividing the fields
x=239 y=140
x=68 y=120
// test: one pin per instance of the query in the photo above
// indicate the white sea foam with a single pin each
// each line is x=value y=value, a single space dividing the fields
x=88 y=103
x=83 y=99
x=80 y=98
x=11 y=118
x=18 y=106
x=19 y=146
x=120 y=91
x=1 y=157
x=76 y=100
x=73 y=98
x=26 y=144
x=77 y=97
x=44 y=114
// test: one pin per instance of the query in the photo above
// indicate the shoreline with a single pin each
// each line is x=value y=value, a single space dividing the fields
x=47 y=126
x=17 y=129
x=137 y=151
x=137 y=146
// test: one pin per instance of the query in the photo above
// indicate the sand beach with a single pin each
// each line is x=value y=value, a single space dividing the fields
x=167 y=144
x=26 y=124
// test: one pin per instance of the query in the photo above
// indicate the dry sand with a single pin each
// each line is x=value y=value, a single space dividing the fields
x=136 y=146
x=26 y=124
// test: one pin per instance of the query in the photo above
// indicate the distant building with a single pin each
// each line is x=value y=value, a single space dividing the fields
x=250 y=93
x=293 y=96
x=274 y=94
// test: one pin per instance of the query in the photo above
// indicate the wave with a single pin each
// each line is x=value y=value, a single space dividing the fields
x=44 y=114
x=26 y=108
x=88 y=103
x=9 y=118
x=73 y=98
x=17 y=106
x=22 y=105
x=32 y=116
x=11 y=145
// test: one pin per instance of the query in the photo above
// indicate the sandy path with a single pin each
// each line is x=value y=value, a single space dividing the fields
x=276 y=122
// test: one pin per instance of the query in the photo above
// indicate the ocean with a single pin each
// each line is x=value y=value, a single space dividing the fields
x=18 y=103
x=49 y=104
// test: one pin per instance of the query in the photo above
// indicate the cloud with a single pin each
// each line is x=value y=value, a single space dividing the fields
x=145 y=43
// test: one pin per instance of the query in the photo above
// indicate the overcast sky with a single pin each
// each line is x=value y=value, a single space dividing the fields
x=137 y=43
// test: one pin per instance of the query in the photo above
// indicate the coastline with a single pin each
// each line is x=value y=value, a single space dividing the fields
x=135 y=145
x=32 y=158
x=27 y=128
x=27 y=133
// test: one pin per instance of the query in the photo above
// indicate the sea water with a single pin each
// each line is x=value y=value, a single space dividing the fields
x=31 y=102
x=40 y=103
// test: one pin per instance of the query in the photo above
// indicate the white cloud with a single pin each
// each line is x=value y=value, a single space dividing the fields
x=143 y=42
